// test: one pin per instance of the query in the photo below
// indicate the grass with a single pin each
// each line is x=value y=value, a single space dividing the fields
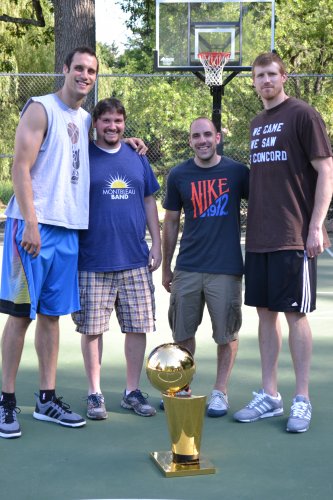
x=6 y=191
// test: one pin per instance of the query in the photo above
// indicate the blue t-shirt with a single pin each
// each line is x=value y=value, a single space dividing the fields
x=210 y=198
x=115 y=239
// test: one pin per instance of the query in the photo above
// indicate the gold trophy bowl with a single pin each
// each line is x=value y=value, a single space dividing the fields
x=170 y=368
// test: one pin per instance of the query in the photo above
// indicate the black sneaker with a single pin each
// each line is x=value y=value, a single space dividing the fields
x=58 y=412
x=136 y=401
x=9 y=426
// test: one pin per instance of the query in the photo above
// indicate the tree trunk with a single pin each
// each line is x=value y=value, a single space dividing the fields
x=74 y=26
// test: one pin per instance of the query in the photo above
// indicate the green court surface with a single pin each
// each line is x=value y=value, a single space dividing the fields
x=110 y=459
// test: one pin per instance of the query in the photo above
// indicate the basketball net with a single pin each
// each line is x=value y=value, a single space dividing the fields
x=213 y=63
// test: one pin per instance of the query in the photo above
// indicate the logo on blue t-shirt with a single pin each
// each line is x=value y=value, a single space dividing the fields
x=118 y=188
x=210 y=197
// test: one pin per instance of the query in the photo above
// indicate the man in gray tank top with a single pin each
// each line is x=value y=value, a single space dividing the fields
x=39 y=273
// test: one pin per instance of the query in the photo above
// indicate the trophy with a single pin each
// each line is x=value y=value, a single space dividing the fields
x=170 y=368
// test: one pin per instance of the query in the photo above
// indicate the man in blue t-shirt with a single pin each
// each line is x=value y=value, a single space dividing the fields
x=115 y=263
x=209 y=265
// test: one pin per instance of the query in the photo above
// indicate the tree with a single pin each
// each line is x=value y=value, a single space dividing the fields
x=36 y=8
x=74 y=25
x=107 y=55
x=70 y=23
x=141 y=19
x=26 y=36
x=141 y=22
x=304 y=35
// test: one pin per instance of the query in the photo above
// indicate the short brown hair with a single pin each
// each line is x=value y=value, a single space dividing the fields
x=79 y=50
x=110 y=104
x=267 y=58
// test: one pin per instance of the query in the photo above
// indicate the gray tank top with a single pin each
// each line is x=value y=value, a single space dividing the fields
x=60 y=175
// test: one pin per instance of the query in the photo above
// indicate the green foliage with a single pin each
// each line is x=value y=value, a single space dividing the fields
x=141 y=22
x=6 y=191
x=24 y=47
x=304 y=35
x=161 y=109
x=107 y=55
x=304 y=40
x=141 y=17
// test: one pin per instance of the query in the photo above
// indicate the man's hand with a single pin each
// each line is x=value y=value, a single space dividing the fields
x=137 y=144
x=314 y=243
x=323 y=196
x=155 y=258
x=167 y=277
x=31 y=241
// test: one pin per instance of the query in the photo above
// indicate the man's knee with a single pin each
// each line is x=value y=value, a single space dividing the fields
x=18 y=323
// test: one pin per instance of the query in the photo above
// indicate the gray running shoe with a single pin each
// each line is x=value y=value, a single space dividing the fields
x=96 y=407
x=261 y=406
x=138 y=403
x=58 y=412
x=300 y=415
x=9 y=426
x=218 y=404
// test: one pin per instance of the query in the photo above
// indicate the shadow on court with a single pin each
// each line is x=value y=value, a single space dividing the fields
x=110 y=459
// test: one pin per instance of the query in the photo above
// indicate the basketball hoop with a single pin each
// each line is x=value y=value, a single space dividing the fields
x=213 y=63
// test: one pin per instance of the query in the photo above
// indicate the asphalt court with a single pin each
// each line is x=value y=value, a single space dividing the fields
x=111 y=459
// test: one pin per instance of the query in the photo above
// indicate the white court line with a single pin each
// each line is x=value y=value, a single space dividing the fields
x=329 y=252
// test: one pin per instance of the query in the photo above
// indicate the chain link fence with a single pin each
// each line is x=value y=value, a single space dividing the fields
x=160 y=108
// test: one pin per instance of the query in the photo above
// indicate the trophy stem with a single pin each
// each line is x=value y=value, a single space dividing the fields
x=185 y=420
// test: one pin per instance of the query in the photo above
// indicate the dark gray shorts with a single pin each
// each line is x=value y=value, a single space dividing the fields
x=191 y=291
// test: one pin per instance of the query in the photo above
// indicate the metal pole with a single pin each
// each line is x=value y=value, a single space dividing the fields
x=217 y=92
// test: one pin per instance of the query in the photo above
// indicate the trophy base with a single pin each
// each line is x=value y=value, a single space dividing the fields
x=164 y=460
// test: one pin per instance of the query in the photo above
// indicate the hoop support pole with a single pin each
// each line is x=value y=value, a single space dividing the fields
x=230 y=77
x=199 y=75
x=217 y=91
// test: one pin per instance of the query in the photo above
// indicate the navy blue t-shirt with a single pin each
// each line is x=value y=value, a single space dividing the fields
x=115 y=239
x=210 y=198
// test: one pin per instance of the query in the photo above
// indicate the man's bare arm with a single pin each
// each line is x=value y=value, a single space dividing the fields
x=323 y=197
x=155 y=255
x=169 y=241
x=28 y=140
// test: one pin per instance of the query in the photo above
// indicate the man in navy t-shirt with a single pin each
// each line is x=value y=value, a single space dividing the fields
x=209 y=266
x=115 y=262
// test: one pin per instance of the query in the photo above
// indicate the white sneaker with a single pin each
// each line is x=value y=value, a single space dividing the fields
x=261 y=406
x=218 y=404
x=300 y=415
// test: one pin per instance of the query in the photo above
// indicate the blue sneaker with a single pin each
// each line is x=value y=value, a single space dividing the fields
x=300 y=415
x=262 y=406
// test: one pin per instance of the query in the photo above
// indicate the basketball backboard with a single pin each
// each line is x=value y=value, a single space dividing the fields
x=186 y=28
